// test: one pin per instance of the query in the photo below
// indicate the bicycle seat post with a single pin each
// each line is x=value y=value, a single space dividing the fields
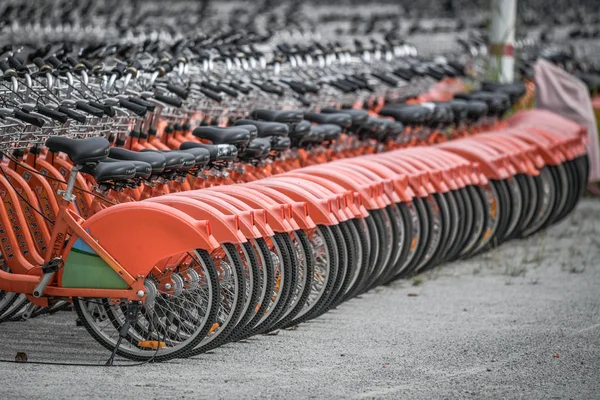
x=67 y=194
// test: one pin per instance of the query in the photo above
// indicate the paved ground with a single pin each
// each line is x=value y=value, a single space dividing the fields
x=520 y=322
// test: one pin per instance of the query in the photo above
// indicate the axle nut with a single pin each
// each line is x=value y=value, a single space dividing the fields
x=141 y=293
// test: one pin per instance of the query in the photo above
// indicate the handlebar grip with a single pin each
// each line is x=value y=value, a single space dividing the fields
x=341 y=86
x=136 y=108
x=239 y=87
x=119 y=69
x=72 y=114
x=30 y=119
x=39 y=62
x=143 y=103
x=178 y=90
x=268 y=88
x=13 y=62
x=213 y=95
x=53 y=114
x=108 y=110
x=227 y=90
x=72 y=61
x=87 y=64
x=385 y=78
x=55 y=62
x=4 y=66
x=96 y=112
x=210 y=86
x=173 y=101
x=295 y=86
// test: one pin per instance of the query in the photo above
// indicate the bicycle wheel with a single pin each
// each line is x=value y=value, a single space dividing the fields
x=175 y=318
x=325 y=271
x=17 y=306
x=283 y=278
x=436 y=229
x=480 y=221
x=342 y=269
x=350 y=242
x=7 y=299
x=267 y=285
x=228 y=265
x=423 y=215
x=490 y=200
x=362 y=257
x=304 y=254
x=546 y=195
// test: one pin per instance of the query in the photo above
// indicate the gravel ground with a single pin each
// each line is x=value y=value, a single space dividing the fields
x=522 y=321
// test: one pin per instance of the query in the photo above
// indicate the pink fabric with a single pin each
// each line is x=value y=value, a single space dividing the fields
x=560 y=92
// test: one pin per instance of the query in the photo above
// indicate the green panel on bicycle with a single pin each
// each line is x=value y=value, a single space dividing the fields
x=85 y=269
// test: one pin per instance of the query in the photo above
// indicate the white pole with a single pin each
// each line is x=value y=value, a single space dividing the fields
x=502 y=39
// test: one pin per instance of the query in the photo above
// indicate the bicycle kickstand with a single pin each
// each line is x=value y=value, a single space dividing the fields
x=130 y=316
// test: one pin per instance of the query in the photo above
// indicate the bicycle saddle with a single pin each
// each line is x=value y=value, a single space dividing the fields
x=221 y=152
x=299 y=131
x=108 y=171
x=280 y=143
x=340 y=119
x=156 y=160
x=201 y=156
x=142 y=169
x=497 y=102
x=476 y=109
x=459 y=109
x=326 y=132
x=80 y=151
x=442 y=114
x=373 y=128
x=188 y=159
x=257 y=149
x=407 y=114
x=358 y=116
x=266 y=128
x=514 y=90
x=252 y=130
x=173 y=159
x=285 y=116
x=218 y=135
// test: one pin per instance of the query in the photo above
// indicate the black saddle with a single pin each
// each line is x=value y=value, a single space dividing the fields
x=359 y=117
x=340 y=119
x=80 y=151
x=252 y=130
x=110 y=171
x=221 y=152
x=142 y=169
x=173 y=160
x=156 y=160
x=373 y=128
x=266 y=128
x=280 y=143
x=514 y=90
x=285 y=116
x=407 y=114
x=218 y=135
x=476 y=109
x=459 y=109
x=257 y=149
x=497 y=102
x=442 y=114
x=299 y=132
x=201 y=156
x=325 y=132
